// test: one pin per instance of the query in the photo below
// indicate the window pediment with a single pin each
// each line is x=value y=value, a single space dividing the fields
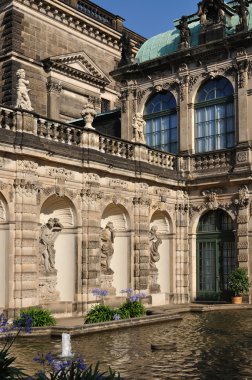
x=79 y=66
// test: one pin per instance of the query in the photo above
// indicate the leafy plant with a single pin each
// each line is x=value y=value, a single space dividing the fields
x=100 y=313
x=7 y=370
x=132 y=308
x=238 y=282
x=40 y=317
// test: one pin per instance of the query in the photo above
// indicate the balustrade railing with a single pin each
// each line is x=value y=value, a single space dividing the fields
x=212 y=161
x=20 y=120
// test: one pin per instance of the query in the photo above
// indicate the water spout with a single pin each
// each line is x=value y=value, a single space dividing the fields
x=66 y=345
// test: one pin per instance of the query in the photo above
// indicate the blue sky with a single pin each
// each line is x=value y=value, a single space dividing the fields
x=149 y=17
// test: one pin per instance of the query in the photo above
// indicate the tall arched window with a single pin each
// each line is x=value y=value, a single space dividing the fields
x=214 y=116
x=161 y=122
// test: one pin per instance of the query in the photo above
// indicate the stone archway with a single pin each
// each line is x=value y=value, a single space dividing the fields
x=59 y=284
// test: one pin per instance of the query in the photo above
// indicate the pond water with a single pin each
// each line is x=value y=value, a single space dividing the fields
x=214 y=345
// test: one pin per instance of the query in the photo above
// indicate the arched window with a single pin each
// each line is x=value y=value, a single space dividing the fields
x=160 y=115
x=214 y=116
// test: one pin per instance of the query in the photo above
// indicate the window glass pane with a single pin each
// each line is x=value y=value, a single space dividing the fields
x=215 y=88
x=161 y=124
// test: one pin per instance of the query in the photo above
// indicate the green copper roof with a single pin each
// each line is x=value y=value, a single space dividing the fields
x=166 y=43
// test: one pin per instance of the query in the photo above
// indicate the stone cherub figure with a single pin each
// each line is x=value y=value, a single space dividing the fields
x=155 y=242
x=138 y=128
x=48 y=234
x=107 y=249
x=23 y=99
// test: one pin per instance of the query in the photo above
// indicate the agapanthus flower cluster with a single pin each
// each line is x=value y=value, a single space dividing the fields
x=100 y=292
x=23 y=323
x=136 y=297
x=55 y=365
x=127 y=291
x=116 y=317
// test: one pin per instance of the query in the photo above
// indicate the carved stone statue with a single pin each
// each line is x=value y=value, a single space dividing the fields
x=23 y=99
x=126 y=50
x=48 y=234
x=211 y=11
x=155 y=242
x=138 y=128
x=107 y=249
x=185 y=32
x=243 y=12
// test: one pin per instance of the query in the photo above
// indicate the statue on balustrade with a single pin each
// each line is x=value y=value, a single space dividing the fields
x=107 y=249
x=48 y=235
x=23 y=99
x=185 y=32
x=138 y=128
x=243 y=12
x=155 y=242
x=211 y=11
x=126 y=51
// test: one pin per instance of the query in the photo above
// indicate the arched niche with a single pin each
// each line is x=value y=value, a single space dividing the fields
x=65 y=245
x=161 y=221
x=121 y=259
x=4 y=257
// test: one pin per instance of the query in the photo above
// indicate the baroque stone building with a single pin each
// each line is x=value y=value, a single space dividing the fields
x=164 y=208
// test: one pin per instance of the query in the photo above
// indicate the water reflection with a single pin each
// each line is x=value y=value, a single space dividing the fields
x=216 y=345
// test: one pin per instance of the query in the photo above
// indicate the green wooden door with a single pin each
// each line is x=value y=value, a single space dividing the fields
x=216 y=255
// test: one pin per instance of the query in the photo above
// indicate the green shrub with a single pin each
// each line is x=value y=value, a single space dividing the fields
x=132 y=308
x=40 y=317
x=100 y=313
x=238 y=282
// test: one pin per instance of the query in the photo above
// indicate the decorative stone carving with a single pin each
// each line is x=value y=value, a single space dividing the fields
x=88 y=113
x=138 y=128
x=140 y=95
x=47 y=289
x=243 y=197
x=243 y=12
x=27 y=165
x=141 y=201
x=107 y=249
x=60 y=173
x=23 y=99
x=185 y=33
x=211 y=199
x=118 y=183
x=25 y=188
x=126 y=52
x=91 y=195
x=211 y=11
x=48 y=234
x=154 y=242
x=54 y=85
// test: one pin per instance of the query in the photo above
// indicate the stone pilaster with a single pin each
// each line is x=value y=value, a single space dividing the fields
x=26 y=245
x=54 y=89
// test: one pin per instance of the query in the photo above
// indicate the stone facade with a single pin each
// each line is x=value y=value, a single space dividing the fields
x=84 y=180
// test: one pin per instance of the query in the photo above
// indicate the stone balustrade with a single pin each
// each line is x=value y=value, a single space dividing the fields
x=212 y=161
x=18 y=120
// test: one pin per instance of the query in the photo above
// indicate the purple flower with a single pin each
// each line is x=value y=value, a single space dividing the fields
x=128 y=291
x=80 y=364
x=116 y=317
x=100 y=292
x=24 y=322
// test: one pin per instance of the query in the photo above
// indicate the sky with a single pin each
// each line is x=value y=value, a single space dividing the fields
x=149 y=17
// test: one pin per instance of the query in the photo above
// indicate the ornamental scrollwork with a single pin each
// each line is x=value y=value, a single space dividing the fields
x=242 y=201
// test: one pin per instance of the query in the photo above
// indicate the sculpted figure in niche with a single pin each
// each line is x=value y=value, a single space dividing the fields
x=211 y=11
x=107 y=249
x=138 y=128
x=242 y=11
x=23 y=99
x=155 y=242
x=185 y=32
x=48 y=234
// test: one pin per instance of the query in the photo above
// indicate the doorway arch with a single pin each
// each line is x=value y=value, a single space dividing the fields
x=216 y=255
